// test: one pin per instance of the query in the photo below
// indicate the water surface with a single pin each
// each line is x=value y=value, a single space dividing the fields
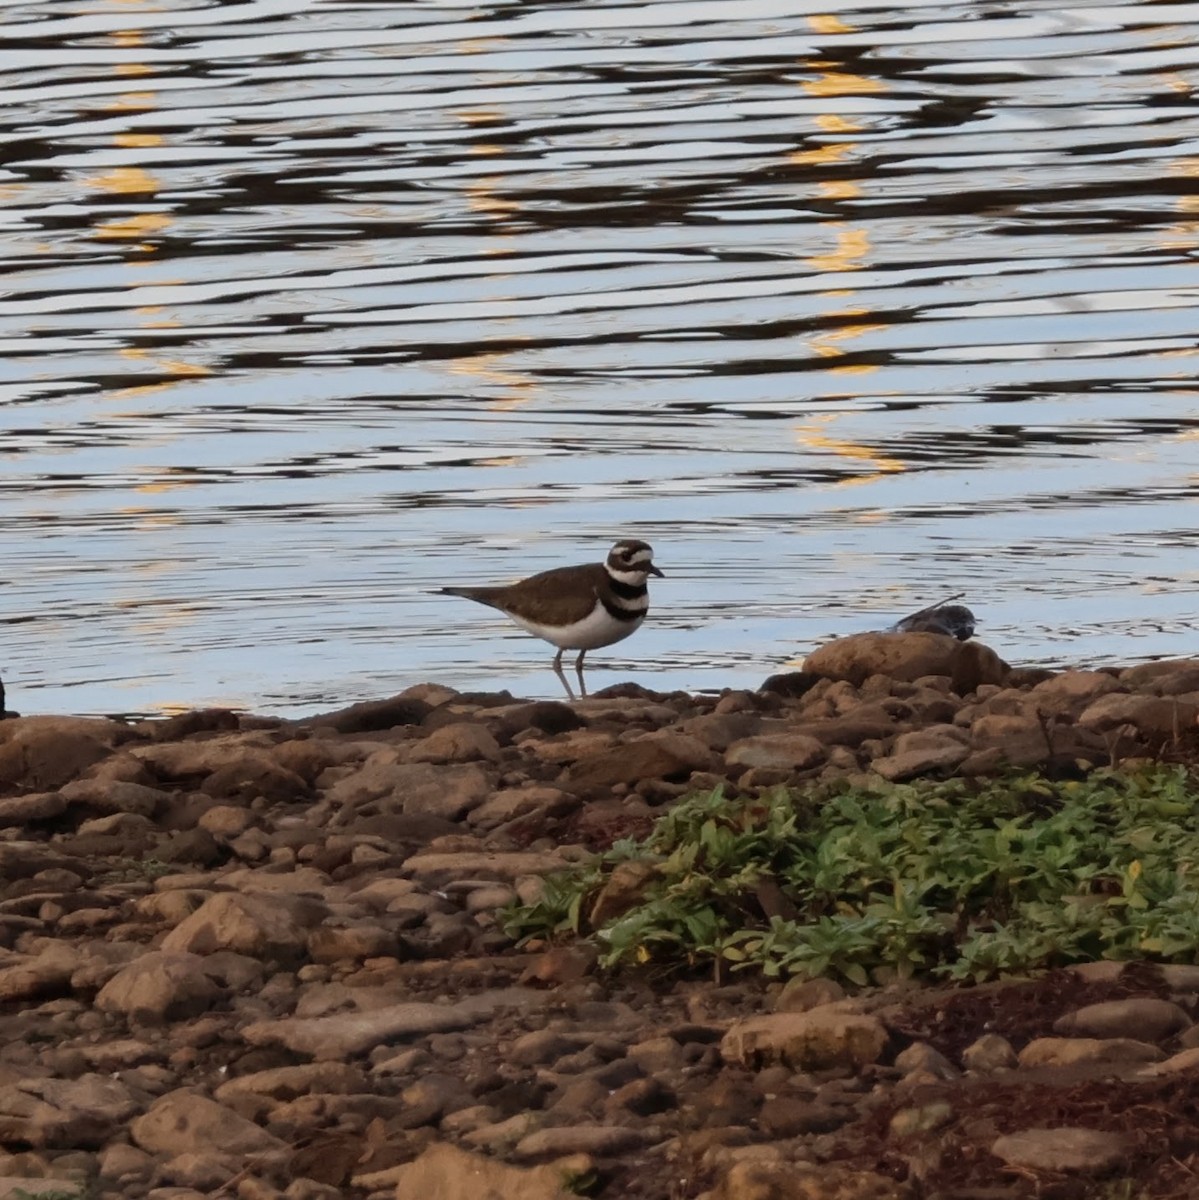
x=311 y=307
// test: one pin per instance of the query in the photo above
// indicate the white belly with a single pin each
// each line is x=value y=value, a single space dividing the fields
x=599 y=628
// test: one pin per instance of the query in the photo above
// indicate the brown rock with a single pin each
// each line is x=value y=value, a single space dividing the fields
x=1143 y=1017
x=249 y=776
x=444 y=1172
x=187 y=724
x=46 y=974
x=785 y=752
x=924 y=1059
x=989 y=1053
x=791 y=684
x=669 y=755
x=159 y=987
x=286 y=1083
x=340 y=1036
x=196 y=760
x=751 y=1180
x=1182 y=1062
x=19 y=1187
x=46 y=752
x=920 y=1118
x=1157 y=717
x=583 y=1139
x=805 y=1041
x=37 y=806
x=185 y=1121
x=437 y=869
x=115 y=796
x=274 y=927
x=462 y=741
x=803 y=995
x=414 y=789
x=790 y=1116
x=225 y=821
x=1020 y=740
x=1064 y=1051
x=84 y=1112
x=547 y=716
x=1064 y=1149
x=938 y=748
x=624 y=889
x=907 y=657
x=511 y=803
x=373 y=715
x=718 y=730
x=1166 y=677
x=1071 y=691
x=351 y=943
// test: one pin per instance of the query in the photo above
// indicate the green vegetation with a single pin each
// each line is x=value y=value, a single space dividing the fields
x=965 y=879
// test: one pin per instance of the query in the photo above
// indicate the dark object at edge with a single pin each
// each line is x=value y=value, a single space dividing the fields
x=956 y=620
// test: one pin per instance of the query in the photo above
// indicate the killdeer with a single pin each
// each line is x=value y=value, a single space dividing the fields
x=577 y=608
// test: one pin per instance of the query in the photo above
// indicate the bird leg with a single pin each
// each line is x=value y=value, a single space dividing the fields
x=559 y=672
x=579 y=673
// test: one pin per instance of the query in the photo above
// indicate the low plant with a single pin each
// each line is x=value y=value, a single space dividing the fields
x=961 y=879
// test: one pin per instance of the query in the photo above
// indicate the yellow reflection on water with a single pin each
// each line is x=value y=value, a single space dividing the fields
x=125 y=181
x=850 y=250
x=517 y=388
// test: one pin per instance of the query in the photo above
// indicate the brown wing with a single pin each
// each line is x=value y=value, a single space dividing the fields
x=560 y=596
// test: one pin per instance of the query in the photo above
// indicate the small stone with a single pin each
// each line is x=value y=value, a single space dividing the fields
x=921 y=1118
x=624 y=889
x=805 y=1041
x=1063 y=1051
x=802 y=995
x=938 y=748
x=340 y=1036
x=1183 y=1061
x=274 y=927
x=1064 y=1149
x=464 y=741
x=989 y=1053
x=922 y=1057
x=1071 y=691
x=670 y=756
x=779 y=751
x=582 y=1139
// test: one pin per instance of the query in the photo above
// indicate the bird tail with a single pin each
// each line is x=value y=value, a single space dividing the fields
x=483 y=595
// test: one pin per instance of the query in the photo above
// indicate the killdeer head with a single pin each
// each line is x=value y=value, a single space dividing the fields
x=578 y=608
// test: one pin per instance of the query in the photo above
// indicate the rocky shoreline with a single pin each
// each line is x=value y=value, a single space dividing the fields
x=262 y=958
